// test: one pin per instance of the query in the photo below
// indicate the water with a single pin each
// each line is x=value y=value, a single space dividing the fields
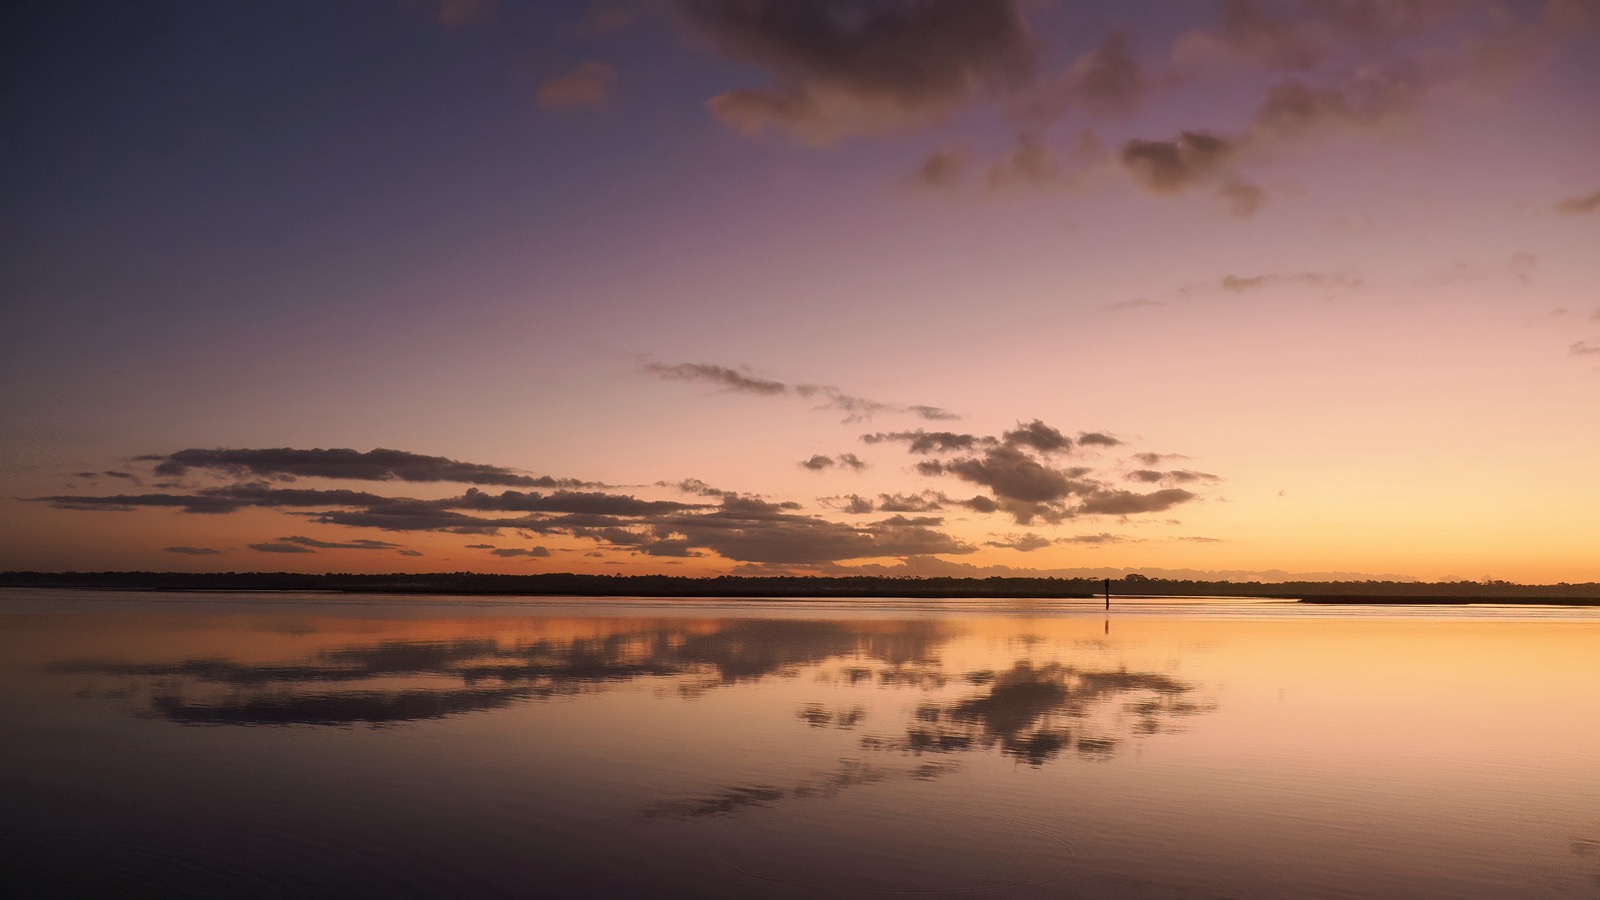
x=319 y=745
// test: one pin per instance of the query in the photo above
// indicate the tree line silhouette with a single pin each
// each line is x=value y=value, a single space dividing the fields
x=796 y=586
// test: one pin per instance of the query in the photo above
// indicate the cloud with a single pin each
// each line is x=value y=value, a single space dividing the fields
x=920 y=441
x=849 y=67
x=513 y=552
x=1375 y=98
x=1134 y=303
x=192 y=551
x=338 y=545
x=1095 y=540
x=927 y=501
x=1248 y=35
x=281 y=548
x=820 y=462
x=1177 y=476
x=1018 y=468
x=748 y=529
x=855 y=408
x=409 y=552
x=589 y=85
x=1173 y=166
x=1584 y=348
x=1580 y=205
x=1023 y=543
x=944 y=169
x=345 y=464
x=1240 y=284
x=1106 y=81
x=460 y=13
x=1038 y=436
x=1123 y=503
x=1030 y=163
x=1243 y=199
x=732 y=379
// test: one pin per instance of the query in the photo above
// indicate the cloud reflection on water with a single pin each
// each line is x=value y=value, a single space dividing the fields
x=1030 y=712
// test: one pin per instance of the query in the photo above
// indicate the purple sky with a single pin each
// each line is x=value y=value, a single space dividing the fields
x=1242 y=288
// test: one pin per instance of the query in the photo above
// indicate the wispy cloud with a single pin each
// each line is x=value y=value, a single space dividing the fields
x=737 y=381
x=1580 y=205
x=589 y=85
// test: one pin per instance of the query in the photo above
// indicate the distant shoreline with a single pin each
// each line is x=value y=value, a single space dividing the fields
x=817 y=587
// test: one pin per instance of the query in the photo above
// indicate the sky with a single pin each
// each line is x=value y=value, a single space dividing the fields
x=1252 y=289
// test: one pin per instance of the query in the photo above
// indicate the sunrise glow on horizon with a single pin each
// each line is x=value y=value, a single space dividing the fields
x=1257 y=289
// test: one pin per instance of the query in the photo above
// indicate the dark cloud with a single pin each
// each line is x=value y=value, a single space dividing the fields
x=281 y=548
x=748 y=529
x=1095 y=539
x=1037 y=435
x=581 y=502
x=847 y=67
x=1585 y=348
x=125 y=475
x=409 y=552
x=732 y=379
x=1176 y=476
x=1024 y=543
x=192 y=551
x=338 y=545
x=1125 y=503
x=1174 y=166
x=344 y=464
x=858 y=505
x=920 y=441
x=1009 y=473
x=819 y=462
x=855 y=408
x=511 y=552
x=1096 y=439
x=1580 y=205
x=694 y=486
x=927 y=501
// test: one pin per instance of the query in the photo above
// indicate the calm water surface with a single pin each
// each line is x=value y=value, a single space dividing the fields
x=256 y=744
